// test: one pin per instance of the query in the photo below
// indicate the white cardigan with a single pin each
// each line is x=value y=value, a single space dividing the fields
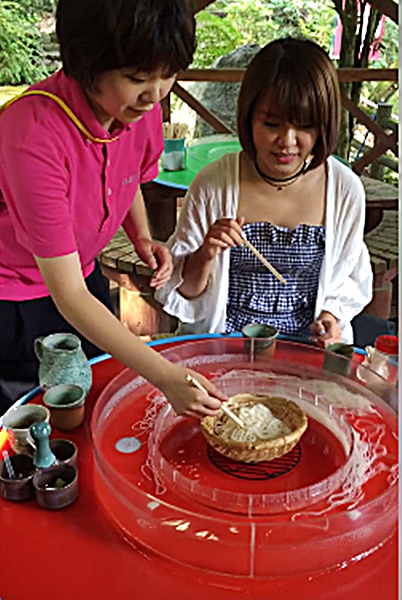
x=345 y=281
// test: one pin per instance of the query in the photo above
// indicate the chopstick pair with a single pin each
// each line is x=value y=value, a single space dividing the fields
x=262 y=259
x=225 y=409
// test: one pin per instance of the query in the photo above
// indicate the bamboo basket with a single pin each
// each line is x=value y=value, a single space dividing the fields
x=285 y=410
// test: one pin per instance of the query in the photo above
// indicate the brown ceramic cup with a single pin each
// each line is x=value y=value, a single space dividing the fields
x=65 y=451
x=20 y=487
x=17 y=421
x=56 y=487
x=260 y=339
x=337 y=358
x=66 y=403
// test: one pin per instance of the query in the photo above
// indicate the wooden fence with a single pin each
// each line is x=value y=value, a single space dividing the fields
x=383 y=141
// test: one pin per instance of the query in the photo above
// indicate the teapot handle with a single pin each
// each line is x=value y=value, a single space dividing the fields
x=38 y=347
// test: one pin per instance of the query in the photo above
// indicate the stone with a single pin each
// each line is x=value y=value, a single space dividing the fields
x=219 y=97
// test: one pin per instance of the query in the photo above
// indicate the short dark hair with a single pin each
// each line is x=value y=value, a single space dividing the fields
x=301 y=82
x=102 y=35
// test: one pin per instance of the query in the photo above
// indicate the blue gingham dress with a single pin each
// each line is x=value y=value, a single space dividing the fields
x=256 y=296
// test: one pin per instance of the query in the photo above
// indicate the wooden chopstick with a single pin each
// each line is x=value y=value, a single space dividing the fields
x=263 y=260
x=225 y=409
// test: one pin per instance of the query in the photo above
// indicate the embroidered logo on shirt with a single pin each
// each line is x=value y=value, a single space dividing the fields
x=130 y=179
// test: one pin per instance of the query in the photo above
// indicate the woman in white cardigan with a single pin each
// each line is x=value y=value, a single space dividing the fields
x=301 y=208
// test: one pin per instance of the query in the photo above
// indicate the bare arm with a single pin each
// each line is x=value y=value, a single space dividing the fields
x=63 y=277
x=136 y=222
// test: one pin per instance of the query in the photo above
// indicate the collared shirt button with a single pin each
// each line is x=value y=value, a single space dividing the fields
x=109 y=191
x=108 y=163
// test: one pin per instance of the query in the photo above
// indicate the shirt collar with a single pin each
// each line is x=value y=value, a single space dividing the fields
x=69 y=90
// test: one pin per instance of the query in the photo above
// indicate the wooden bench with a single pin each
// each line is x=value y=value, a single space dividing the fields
x=138 y=309
x=382 y=244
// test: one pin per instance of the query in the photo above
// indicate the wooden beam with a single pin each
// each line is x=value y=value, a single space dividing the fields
x=236 y=75
x=219 y=75
x=203 y=112
x=201 y=4
x=353 y=75
x=369 y=157
x=387 y=8
x=165 y=106
x=388 y=140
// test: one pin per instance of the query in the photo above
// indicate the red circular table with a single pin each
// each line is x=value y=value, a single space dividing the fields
x=77 y=553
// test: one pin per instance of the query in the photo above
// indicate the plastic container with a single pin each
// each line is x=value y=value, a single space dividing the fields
x=387 y=347
x=382 y=359
x=174 y=154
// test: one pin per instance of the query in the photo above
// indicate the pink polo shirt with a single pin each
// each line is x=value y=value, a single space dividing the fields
x=60 y=192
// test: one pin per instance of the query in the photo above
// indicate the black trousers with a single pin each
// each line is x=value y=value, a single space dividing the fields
x=367 y=328
x=21 y=323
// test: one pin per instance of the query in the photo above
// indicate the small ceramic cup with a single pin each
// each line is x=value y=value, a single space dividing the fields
x=260 y=338
x=20 y=487
x=56 y=487
x=65 y=452
x=66 y=403
x=17 y=421
x=337 y=358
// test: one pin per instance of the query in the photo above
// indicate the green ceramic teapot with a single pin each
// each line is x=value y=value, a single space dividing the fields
x=62 y=360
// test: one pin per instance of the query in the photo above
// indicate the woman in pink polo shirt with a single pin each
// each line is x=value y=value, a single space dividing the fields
x=73 y=153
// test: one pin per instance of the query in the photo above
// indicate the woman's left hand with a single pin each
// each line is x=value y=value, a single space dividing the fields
x=326 y=330
x=157 y=256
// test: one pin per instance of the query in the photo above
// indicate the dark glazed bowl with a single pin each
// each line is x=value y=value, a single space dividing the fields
x=21 y=487
x=260 y=339
x=65 y=451
x=52 y=497
x=337 y=358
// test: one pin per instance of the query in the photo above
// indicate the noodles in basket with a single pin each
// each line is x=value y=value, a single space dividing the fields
x=272 y=428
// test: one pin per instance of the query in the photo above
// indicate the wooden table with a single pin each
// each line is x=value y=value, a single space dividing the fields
x=380 y=196
x=382 y=243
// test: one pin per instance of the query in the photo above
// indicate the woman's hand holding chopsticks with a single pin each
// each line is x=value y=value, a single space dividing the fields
x=188 y=398
x=223 y=234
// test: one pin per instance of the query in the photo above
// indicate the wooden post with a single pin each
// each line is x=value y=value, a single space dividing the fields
x=161 y=204
x=166 y=108
x=383 y=118
x=139 y=311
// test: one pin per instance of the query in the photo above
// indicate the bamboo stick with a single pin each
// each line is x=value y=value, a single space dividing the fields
x=263 y=260
x=175 y=130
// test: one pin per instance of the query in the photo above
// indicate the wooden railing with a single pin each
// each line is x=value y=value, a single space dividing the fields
x=383 y=141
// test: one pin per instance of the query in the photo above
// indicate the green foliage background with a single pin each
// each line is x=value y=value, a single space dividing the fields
x=21 y=44
x=222 y=27
x=228 y=24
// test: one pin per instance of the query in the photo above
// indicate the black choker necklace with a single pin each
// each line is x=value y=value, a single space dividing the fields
x=281 y=183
